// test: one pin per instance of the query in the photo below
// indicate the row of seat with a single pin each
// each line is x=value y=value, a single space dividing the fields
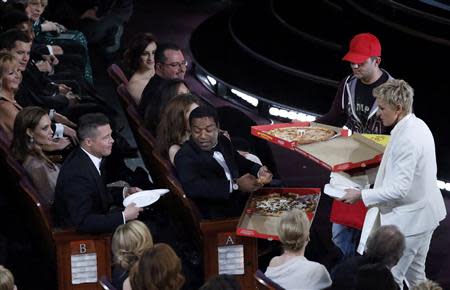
x=55 y=246
x=203 y=233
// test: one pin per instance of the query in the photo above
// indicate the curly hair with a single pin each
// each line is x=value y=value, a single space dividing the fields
x=159 y=268
x=132 y=56
x=294 y=230
x=129 y=241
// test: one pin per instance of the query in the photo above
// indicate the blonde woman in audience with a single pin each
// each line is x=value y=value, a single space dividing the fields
x=139 y=58
x=428 y=285
x=6 y=279
x=129 y=241
x=159 y=268
x=173 y=129
x=292 y=270
x=32 y=131
x=10 y=78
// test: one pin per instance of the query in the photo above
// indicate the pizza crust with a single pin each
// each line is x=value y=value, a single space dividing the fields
x=302 y=135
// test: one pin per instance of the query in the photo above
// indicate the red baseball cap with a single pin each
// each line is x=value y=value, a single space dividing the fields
x=363 y=46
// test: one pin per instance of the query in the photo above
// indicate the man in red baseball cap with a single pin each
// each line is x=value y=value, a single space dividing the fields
x=354 y=106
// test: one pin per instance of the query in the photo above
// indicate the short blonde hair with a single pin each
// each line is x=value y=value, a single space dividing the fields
x=6 y=279
x=427 y=285
x=394 y=93
x=129 y=241
x=294 y=230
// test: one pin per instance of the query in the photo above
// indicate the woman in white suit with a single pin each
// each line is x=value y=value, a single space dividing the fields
x=405 y=193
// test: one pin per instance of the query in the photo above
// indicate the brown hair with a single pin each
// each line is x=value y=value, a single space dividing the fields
x=22 y=145
x=129 y=241
x=6 y=59
x=132 y=56
x=159 y=268
x=172 y=128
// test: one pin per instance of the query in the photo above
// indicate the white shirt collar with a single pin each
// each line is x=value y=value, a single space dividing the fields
x=94 y=159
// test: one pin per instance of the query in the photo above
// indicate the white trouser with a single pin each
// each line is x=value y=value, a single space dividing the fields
x=411 y=266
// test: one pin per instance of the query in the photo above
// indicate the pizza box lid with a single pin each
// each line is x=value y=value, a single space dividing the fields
x=265 y=227
x=337 y=154
x=261 y=132
x=340 y=154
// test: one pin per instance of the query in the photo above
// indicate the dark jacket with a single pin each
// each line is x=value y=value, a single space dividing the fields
x=204 y=180
x=82 y=199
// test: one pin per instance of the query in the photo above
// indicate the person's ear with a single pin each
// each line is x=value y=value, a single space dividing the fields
x=29 y=133
x=378 y=60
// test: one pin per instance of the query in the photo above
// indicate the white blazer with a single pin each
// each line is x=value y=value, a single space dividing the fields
x=405 y=193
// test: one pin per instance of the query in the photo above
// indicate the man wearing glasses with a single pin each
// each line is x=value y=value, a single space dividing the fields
x=169 y=64
x=354 y=106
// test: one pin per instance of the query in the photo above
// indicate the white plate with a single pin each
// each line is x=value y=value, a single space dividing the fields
x=336 y=191
x=144 y=198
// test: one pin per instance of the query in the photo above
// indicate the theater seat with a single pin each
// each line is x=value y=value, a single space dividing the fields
x=264 y=282
x=117 y=74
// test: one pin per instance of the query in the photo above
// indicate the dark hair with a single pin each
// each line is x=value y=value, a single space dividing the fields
x=22 y=145
x=375 y=276
x=132 y=56
x=159 y=268
x=88 y=124
x=202 y=112
x=13 y=17
x=173 y=128
x=160 y=53
x=386 y=245
x=158 y=101
x=9 y=37
x=221 y=282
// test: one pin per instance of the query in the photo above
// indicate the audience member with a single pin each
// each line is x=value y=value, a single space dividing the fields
x=211 y=172
x=11 y=78
x=159 y=268
x=427 y=285
x=6 y=279
x=405 y=192
x=374 y=277
x=167 y=91
x=292 y=270
x=139 y=59
x=63 y=42
x=354 y=106
x=169 y=64
x=32 y=131
x=81 y=197
x=384 y=246
x=221 y=282
x=129 y=241
x=173 y=129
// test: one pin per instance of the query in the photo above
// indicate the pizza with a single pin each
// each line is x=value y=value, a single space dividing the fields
x=275 y=204
x=302 y=135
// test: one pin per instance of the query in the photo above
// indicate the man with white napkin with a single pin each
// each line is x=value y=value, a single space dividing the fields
x=81 y=197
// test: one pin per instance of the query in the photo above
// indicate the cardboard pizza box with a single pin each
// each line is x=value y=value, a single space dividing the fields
x=340 y=153
x=265 y=227
x=261 y=132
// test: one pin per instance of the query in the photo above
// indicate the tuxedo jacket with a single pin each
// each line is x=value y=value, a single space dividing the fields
x=82 y=199
x=204 y=180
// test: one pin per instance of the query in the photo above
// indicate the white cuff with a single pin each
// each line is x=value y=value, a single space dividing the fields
x=59 y=130
x=51 y=114
x=124 y=190
x=231 y=186
x=123 y=217
x=50 y=49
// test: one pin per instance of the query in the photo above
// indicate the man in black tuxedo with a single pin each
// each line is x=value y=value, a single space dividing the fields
x=213 y=174
x=81 y=197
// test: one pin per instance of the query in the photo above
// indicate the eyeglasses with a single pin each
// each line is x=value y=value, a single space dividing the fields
x=177 y=64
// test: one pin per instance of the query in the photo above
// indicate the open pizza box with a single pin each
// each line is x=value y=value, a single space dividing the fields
x=340 y=153
x=260 y=225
